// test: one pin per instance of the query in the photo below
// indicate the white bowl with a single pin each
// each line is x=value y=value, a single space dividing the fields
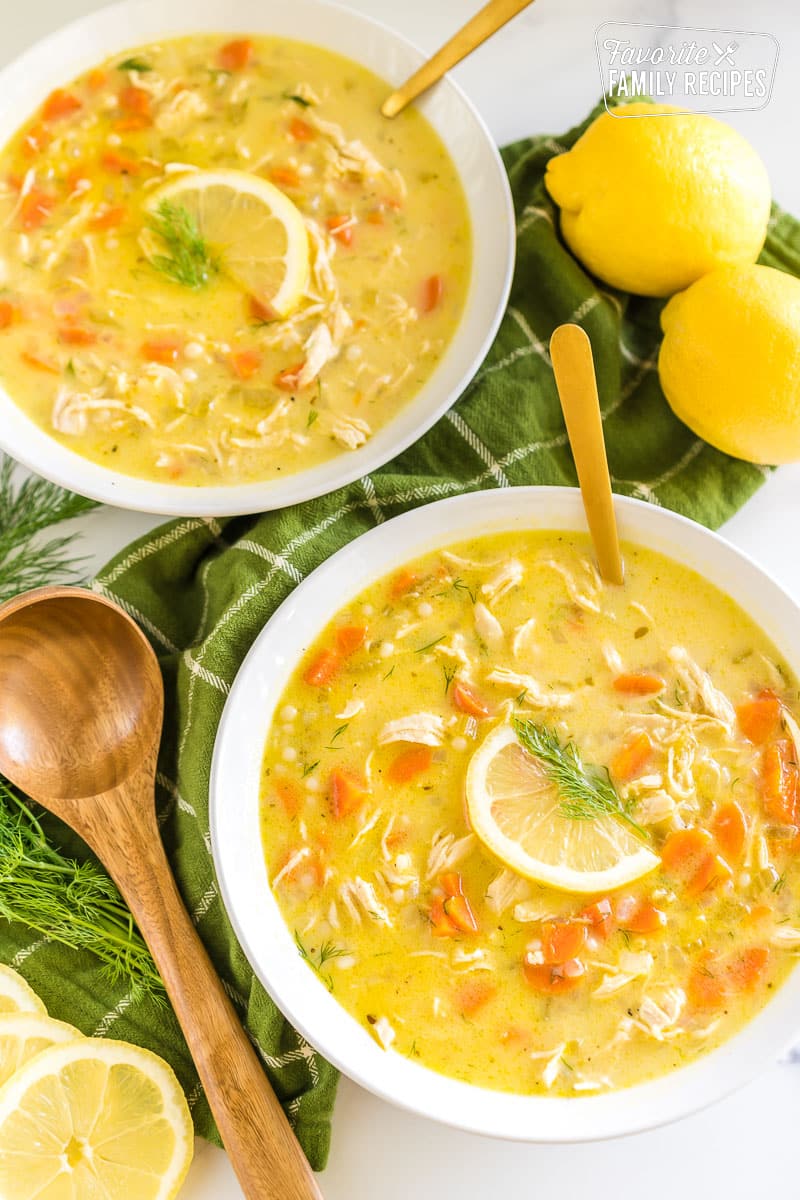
x=59 y=58
x=242 y=874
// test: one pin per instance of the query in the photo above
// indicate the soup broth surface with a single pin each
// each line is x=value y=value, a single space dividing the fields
x=665 y=687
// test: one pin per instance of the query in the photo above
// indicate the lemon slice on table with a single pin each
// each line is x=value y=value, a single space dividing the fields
x=253 y=230
x=24 y=1034
x=93 y=1118
x=16 y=995
x=514 y=810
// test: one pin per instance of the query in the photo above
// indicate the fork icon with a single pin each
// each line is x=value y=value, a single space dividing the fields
x=726 y=54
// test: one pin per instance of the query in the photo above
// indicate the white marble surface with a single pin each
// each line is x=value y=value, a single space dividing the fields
x=540 y=74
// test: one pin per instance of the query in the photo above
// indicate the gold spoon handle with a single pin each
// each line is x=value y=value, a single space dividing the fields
x=491 y=17
x=262 y=1148
x=571 y=352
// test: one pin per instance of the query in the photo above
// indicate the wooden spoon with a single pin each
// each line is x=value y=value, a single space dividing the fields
x=491 y=17
x=81 y=707
x=571 y=352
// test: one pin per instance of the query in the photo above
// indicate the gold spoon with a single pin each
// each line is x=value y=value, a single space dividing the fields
x=491 y=17
x=571 y=353
x=80 y=724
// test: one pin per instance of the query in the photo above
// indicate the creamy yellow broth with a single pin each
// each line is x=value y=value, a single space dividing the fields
x=654 y=974
x=200 y=385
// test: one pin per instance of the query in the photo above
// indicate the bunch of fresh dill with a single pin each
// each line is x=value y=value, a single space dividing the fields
x=188 y=259
x=67 y=901
x=26 y=509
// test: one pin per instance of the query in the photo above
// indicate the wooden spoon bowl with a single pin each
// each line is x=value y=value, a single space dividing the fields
x=81 y=710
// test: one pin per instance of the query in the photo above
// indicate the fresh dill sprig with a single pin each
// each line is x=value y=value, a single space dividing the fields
x=26 y=509
x=189 y=260
x=449 y=675
x=74 y=903
x=297 y=99
x=134 y=64
x=586 y=792
x=317 y=960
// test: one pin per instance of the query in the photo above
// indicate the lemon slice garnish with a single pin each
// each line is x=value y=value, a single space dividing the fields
x=24 y=1034
x=16 y=995
x=93 y=1118
x=252 y=228
x=514 y=810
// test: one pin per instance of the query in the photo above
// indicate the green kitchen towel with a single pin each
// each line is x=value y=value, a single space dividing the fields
x=202 y=589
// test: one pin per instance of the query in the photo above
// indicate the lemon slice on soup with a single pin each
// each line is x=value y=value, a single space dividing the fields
x=24 y=1034
x=16 y=995
x=246 y=226
x=93 y=1118
x=515 y=811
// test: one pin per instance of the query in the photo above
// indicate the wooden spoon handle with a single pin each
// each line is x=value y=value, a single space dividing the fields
x=260 y=1142
x=571 y=352
x=491 y=17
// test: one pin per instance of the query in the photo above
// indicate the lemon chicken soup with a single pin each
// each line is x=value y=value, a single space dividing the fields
x=537 y=833
x=219 y=263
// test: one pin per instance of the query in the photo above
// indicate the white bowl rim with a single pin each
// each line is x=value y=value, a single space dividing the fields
x=124 y=24
x=244 y=886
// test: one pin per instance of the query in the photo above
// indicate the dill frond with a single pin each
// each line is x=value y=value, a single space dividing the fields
x=189 y=260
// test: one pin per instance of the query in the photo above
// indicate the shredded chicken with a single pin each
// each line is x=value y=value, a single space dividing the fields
x=539 y=908
x=700 y=693
x=536 y=696
x=424 y=728
x=586 y=595
x=180 y=111
x=71 y=410
x=320 y=349
x=350 y=432
x=505 y=890
x=361 y=900
x=350 y=710
x=446 y=852
x=487 y=626
x=521 y=642
x=658 y=1014
x=384 y=1032
x=455 y=648
x=505 y=578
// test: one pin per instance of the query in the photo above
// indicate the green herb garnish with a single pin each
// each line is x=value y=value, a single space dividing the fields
x=449 y=675
x=189 y=260
x=297 y=99
x=309 y=768
x=338 y=733
x=586 y=792
x=74 y=903
x=429 y=645
x=319 y=958
x=312 y=416
x=134 y=64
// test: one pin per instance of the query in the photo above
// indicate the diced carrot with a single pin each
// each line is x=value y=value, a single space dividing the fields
x=301 y=131
x=646 y=918
x=599 y=917
x=132 y=123
x=35 y=208
x=459 y=911
x=245 y=363
x=746 y=968
x=404 y=581
x=35 y=140
x=322 y=668
x=347 y=793
x=685 y=850
x=561 y=940
x=284 y=177
x=760 y=719
x=122 y=164
x=758 y=913
x=289 y=795
x=287 y=379
x=96 y=79
x=75 y=335
x=261 y=310
x=342 y=227
x=706 y=987
x=430 y=294
x=108 y=218
x=779 y=782
x=350 y=638
x=8 y=314
x=136 y=101
x=441 y=923
x=452 y=883
x=473 y=995
x=729 y=827
x=375 y=217
x=32 y=359
x=555 y=979
x=639 y=684
x=77 y=180
x=235 y=55
x=468 y=700
x=162 y=350
x=631 y=758
x=60 y=104
x=410 y=763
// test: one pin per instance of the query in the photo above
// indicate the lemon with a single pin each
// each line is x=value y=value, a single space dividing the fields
x=730 y=361
x=252 y=228
x=93 y=1119
x=16 y=995
x=650 y=203
x=513 y=809
x=24 y=1034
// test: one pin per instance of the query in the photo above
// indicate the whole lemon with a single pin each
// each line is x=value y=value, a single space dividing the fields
x=650 y=203
x=730 y=361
